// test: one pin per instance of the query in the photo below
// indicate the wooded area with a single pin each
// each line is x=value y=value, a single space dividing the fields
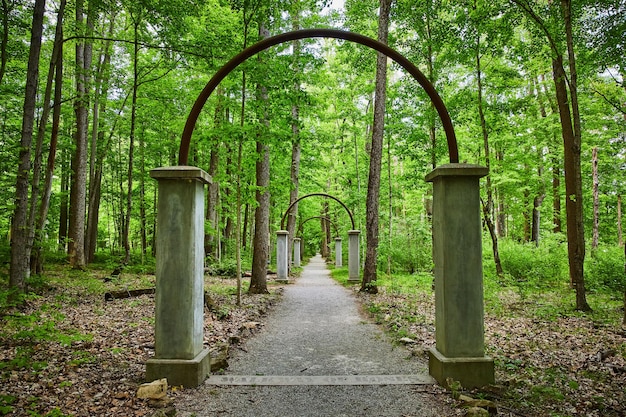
x=95 y=93
x=536 y=93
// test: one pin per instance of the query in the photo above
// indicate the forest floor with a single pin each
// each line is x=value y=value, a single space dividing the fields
x=67 y=351
x=549 y=360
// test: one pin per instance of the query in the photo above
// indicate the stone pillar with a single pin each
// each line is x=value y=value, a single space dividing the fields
x=179 y=301
x=282 y=269
x=296 y=252
x=353 y=256
x=457 y=254
x=338 y=253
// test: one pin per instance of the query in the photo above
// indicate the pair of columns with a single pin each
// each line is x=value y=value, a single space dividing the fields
x=457 y=253
x=282 y=250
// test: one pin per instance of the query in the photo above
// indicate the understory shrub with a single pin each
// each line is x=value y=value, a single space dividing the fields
x=536 y=267
x=604 y=269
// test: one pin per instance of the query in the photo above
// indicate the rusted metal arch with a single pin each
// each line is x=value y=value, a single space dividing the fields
x=299 y=231
x=282 y=220
x=183 y=153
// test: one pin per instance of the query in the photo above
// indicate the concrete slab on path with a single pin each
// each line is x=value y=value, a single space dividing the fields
x=319 y=380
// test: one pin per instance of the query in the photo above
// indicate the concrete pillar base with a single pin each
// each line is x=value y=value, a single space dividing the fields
x=188 y=373
x=470 y=372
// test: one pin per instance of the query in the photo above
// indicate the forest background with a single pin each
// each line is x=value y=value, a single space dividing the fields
x=94 y=94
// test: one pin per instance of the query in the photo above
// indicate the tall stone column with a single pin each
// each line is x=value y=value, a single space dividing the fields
x=179 y=322
x=457 y=253
x=297 y=258
x=282 y=245
x=338 y=253
x=353 y=256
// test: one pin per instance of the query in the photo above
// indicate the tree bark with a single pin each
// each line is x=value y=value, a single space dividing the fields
x=488 y=206
x=368 y=283
x=296 y=147
x=6 y=9
x=595 y=234
x=620 y=240
x=76 y=233
x=211 y=248
x=573 y=189
x=98 y=152
x=19 y=269
x=260 y=254
x=131 y=144
x=39 y=209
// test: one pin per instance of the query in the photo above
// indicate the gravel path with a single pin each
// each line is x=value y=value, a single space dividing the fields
x=317 y=330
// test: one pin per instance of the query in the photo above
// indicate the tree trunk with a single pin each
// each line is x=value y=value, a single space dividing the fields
x=573 y=164
x=488 y=207
x=213 y=194
x=368 y=283
x=595 y=234
x=97 y=152
x=620 y=240
x=6 y=9
x=76 y=233
x=260 y=255
x=573 y=189
x=131 y=144
x=296 y=147
x=39 y=210
x=19 y=269
x=64 y=203
x=556 y=195
x=536 y=222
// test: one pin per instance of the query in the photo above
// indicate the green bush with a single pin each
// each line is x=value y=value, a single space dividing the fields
x=227 y=268
x=539 y=267
x=604 y=269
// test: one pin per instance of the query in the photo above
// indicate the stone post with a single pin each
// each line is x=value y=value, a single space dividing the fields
x=282 y=269
x=353 y=256
x=338 y=253
x=296 y=252
x=457 y=254
x=179 y=301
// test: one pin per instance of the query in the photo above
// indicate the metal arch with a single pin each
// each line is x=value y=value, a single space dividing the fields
x=183 y=153
x=299 y=231
x=282 y=220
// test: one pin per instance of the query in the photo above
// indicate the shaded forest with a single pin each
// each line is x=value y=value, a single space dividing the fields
x=95 y=93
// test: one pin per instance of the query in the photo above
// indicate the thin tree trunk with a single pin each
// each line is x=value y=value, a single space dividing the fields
x=296 y=147
x=595 y=234
x=76 y=233
x=620 y=240
x=368 y=283
x=6 y=9
x=56 y=73
x=64 y=203
x=97 y=155
x=131 y=145
x=19 y=269
x=211 y=212
x=488 y=209
x=260 y=255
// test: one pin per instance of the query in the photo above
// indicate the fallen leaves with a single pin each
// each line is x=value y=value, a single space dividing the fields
x=97 y=371
x=548 y=366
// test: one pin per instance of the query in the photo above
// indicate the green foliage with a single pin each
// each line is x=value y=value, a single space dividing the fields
x=534 y=268
x=226 y=268
x=604 y=269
